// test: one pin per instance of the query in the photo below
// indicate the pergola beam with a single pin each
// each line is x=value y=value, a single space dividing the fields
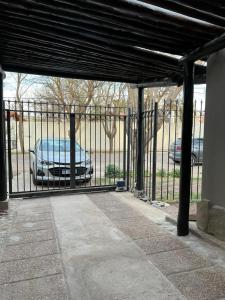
x=190 y=9
x=207 y=49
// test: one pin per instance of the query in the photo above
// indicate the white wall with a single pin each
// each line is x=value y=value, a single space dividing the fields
x=214 y=139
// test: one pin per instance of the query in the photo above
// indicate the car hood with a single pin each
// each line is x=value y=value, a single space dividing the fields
x=63 y=157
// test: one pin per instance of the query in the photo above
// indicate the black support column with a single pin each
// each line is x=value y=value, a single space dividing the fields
x=3 y=171
x=185 y=177
x=140 y=142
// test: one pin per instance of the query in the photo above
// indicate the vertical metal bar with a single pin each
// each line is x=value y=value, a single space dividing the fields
x=150 y=147
x=144 y=151
x=100 y=133
x=185 y=178
x=154 y=154
x=47 y=120
x=80 y=136
x=3 y=171
x=140 y=142
x=29 y=136
x=128 y=147
x=42 y=167
x=192 y=148
x=175 y=138
x=168 y=153
x=162 y=150
x=60 y=142
x=114 y=145
x=53 y=136
x=17 y=155
x=9 y=152
x=199 y=151
x=105 y=146
x=90 y=119
x=124 y=146
x=72 y=150
x=85 y=142
x=95 y=135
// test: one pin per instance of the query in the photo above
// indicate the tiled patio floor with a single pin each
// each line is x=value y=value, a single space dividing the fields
x=102 y=246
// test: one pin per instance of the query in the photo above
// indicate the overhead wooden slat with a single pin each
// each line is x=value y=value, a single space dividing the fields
x=119 y=40
x=185 y=8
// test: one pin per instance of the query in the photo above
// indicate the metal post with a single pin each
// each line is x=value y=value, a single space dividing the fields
x=128 y=147
x=140 y=141
x=124 y=147
x=3 y=170
x=154 y=158
x=185 y=177
x=72 y=150
x=10 y=173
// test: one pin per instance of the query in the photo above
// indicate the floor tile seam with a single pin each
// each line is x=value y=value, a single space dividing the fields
x=20 y=214
x=163 y=251
x=28 y=257
x=34 y=242
x=45 y=228
x=32 y=278
x=25 y=243
x=194 y=270
x=33 y=221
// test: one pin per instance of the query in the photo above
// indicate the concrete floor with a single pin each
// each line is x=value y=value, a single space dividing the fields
x=102 y=246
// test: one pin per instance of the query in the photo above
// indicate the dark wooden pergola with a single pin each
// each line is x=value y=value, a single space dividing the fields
x=143 y=42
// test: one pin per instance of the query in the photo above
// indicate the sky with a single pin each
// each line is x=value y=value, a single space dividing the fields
x=10 y=87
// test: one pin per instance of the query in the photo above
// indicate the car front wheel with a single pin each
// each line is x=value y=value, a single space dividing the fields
x=193 y=160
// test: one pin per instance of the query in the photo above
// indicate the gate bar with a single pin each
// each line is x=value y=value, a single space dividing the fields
x=186 y=144
x=3 y=170
x=154 y=158
x=124 y=146
x=140 y=141
x=128 y=147
x=10 y=173
x=72 y=150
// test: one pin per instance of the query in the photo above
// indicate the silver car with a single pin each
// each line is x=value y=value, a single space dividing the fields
x=50 y=161
x=196 y=151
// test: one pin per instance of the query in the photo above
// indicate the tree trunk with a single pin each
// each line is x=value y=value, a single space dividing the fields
x=21 y=135
x=111 y=140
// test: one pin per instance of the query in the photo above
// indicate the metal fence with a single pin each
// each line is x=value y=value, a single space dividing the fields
x=162 y=150
x=59 y=148
x=53 y=147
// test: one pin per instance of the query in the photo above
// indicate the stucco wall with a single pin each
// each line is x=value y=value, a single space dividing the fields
x=214 y=139
x=211 y=210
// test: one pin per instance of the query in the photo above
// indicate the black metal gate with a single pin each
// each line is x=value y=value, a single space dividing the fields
x=162 y=124
x=54 y=148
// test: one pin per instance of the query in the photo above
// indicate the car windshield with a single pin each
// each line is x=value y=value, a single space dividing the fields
x=57 y=146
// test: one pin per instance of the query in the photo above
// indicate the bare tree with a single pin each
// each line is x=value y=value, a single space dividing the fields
x=167 y=98
x=23 y=83
x=73 y=94
x=112 y=96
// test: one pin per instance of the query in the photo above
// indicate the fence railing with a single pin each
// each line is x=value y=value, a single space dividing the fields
x=106 y=138
x=162 y=150
x=63 y=147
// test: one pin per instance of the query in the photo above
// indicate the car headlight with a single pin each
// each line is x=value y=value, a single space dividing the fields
x=86 y=162
x=45 y=162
